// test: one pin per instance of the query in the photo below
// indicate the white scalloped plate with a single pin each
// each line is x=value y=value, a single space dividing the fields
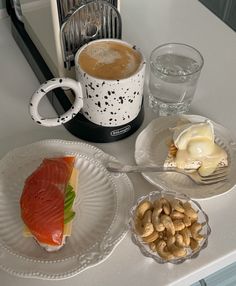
x=102 y=212
x=151 y=148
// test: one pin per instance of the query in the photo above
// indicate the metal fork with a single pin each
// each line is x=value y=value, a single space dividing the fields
x=219 y=175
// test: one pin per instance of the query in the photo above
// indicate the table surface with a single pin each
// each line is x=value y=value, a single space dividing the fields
x=147 y=25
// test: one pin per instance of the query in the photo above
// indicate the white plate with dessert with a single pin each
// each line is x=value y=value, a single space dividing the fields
x=187 y=141
x=82 y=232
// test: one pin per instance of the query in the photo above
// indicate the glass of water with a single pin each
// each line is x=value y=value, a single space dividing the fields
x=174 y=73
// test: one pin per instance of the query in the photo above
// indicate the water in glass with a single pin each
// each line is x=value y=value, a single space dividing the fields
x=172 y=83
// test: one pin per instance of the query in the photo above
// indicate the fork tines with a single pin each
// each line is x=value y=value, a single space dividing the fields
x=219 y=175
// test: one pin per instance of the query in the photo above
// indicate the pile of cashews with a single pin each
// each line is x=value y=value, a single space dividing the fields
x=169 y=226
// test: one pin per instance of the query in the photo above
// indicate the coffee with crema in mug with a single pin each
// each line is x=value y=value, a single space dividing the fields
x=109 y=60
x=108 y=91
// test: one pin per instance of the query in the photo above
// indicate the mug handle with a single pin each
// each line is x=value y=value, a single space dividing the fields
x=44 y=89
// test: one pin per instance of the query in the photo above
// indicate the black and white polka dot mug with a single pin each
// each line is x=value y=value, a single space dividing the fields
x=104 y=102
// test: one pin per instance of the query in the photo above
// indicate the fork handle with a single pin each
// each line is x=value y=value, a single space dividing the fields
x=120 y=168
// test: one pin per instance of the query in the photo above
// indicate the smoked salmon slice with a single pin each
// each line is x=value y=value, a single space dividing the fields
x=42 y=199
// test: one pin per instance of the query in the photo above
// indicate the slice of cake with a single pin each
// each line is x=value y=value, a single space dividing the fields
x=193 y=147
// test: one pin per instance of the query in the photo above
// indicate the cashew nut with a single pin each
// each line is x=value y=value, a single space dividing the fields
x=170 y=241
x=187 y=205
x=186 y=236
x=157 y=207
x=147 y=217
x=143 y=230
x=195 y=229
x=152 y=237
x=178 y=224
x=179 y=240
x=165 y=206
x=161 y=250
x=194 y=244
x=156 y=220
x=177 y=205
x=187 y=221
x=175 y=250
x=142 y=208
x=168 y=224
x=178 y=251
x=176 y=215
x=159 y=226
x=189 y=211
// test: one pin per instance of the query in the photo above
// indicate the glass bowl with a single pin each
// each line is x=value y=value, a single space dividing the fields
x=149 y=249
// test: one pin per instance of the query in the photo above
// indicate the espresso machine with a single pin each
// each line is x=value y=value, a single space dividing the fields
x=49 y=33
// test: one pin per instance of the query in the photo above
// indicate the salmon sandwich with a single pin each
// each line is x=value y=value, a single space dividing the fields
x=47 y=202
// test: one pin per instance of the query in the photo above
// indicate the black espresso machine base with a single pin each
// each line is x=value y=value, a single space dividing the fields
x=79 y=126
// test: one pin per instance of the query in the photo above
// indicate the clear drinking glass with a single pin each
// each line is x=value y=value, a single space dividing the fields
x=174 y=73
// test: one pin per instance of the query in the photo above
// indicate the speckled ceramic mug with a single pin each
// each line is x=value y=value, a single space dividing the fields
x=106 y=102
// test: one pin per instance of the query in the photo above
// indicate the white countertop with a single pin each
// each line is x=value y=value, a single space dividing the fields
x=147 y=24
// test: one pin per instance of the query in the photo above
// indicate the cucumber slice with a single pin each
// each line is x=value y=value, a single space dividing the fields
x=68 y=203
x=68 y=216
x=68 y=206
x=69 y=197
x=69 y=189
